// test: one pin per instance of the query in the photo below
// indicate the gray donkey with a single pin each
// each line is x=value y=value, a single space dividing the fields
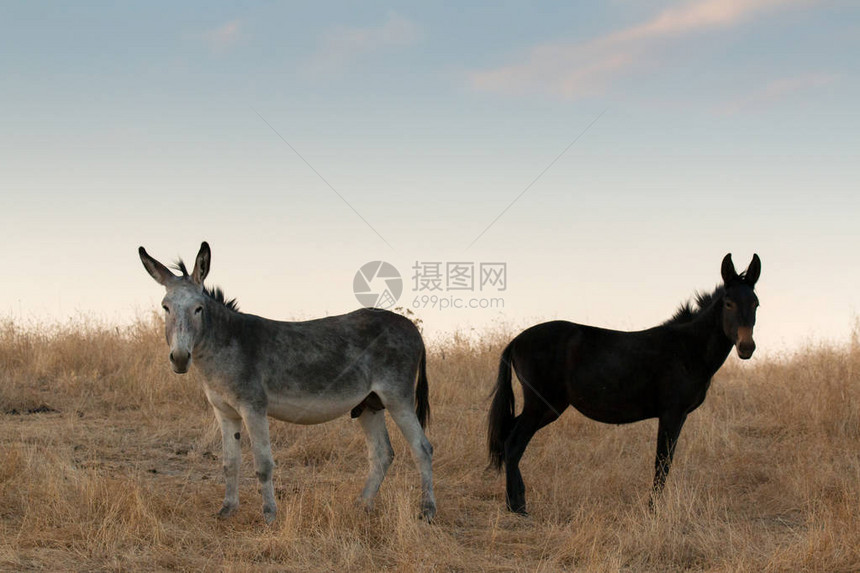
x=301 y=372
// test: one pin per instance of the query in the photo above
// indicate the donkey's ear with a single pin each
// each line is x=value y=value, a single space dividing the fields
x=753 y=271
x=201 y=264
x=156 y=270
x=728 y=269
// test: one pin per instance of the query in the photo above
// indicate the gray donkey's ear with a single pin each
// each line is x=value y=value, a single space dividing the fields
x=156 y=270
x=201 y=264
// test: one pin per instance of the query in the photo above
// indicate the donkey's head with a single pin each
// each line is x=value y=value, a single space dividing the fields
x=740 y=304
x=184 y=305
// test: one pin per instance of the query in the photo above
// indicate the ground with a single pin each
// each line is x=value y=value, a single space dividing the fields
x=109 y=461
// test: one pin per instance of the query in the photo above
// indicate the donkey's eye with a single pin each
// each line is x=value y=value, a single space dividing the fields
x=730 y=305
x=198 y=310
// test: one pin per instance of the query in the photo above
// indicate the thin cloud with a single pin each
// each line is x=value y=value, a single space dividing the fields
x=697 y=16
x=344 y=45
x=777 y=90
x=588 y=68
x=223 y=37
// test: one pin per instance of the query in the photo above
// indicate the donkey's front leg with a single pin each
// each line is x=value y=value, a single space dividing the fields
x=258 y=428
x=230 y=434
x=668 y=430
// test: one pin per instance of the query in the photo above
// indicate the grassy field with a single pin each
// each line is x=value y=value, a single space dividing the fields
x=109 y=461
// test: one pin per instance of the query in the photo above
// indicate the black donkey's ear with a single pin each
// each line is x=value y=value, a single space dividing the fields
x=728 y=269
x=753 y=271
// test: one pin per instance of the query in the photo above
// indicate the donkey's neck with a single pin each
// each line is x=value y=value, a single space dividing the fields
x=706 y=333
x=221 y=330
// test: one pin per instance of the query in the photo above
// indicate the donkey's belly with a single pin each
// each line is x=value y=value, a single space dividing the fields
x=312 y=409
x=610 y=404
x=614 y=413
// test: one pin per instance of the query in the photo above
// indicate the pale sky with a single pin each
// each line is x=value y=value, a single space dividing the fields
x=638 y=141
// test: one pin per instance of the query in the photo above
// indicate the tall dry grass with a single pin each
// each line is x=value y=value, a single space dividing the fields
x=108 y=461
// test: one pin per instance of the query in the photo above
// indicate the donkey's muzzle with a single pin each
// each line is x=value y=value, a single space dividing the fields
x=179 y=361
x=745 y=343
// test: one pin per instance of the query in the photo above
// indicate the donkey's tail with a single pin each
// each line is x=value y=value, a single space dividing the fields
x=501 y=420
x=422 y=403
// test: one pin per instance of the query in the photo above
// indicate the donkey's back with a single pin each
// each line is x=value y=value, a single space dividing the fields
x=313 y=371
x=317 y=370
x=610 y=376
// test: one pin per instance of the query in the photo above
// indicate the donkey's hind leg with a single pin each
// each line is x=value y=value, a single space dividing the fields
x=535 y=415
x=422 y=451
x=379 y=452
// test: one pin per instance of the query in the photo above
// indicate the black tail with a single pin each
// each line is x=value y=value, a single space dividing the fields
x=501 y=420
x=422 y=404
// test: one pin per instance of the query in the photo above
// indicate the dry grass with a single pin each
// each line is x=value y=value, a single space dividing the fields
x=110 y=462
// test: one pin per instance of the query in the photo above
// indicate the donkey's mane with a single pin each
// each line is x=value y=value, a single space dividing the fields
x=179 y=265
x=689 y=310
x=218 y=295
x=215 y=293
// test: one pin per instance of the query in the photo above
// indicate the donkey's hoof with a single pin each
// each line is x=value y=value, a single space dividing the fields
x=269 y=515
x=428 y=512
x=227 y=510
x=364 y=504
x=519 y=509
